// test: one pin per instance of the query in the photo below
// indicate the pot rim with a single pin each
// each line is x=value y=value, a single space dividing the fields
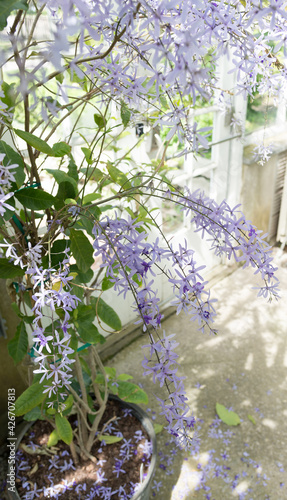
x=146 y=422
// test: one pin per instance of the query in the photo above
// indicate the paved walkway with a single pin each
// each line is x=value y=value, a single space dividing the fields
x=244 y=367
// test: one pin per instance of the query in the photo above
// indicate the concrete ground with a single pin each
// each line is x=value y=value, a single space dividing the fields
x=244 y=367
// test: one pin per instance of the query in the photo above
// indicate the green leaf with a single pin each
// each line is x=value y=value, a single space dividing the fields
x=69 y=402
x=109 y=439
x=131 y=393
x=89 y=333
x=61 y=149
x=82 y=250
x=13 y=158
x=7 y=6
x=8 y=270
x=53 y=438
x=57 y=253
x=64 y=429
x=73 y=169
x=61 y=176
x=35 y=142
x=118 y=176
x=107 y=283
x=89 y=198
x=124 y=377
x=85 y=366
x=157 y=428
x=9 y=99
x=111 y=372
x=252 y=419
x=228 y=417
x=34 y=414
x=18 y=346
x=35 y=199
x=66 y=190
x=125 y=114
x=60 y=78
x=85 y=313
x=31 y=397
x=100 y=120
x=88 y=155
x=106 y=313
x=81 y=277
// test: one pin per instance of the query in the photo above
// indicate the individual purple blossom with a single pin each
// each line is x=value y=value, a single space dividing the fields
x=117 y=468
x=146 y=448
x=33 y=492
x=138 y=435
x=54 y=462
x=100 y=476
x=67 y=465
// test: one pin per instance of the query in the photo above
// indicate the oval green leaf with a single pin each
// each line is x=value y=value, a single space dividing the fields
x=53 y=438
x=64 y=429
x=109 y=439
x=31 y=397
x=82 y=250
x=34 y=141
x=35 y=199
x=8 y=270
x=107 y=314
x=228 y=417
x=18 y=346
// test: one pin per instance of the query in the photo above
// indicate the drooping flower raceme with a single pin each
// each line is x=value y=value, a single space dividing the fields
x=51 y=345
x=51 y=292
x=131 y=262
x=7 y=174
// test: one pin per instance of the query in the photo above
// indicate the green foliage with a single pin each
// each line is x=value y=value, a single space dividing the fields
x=125 y=114
x=252 y=419
x=72 y=169
x=17 y=347
x=64 y=429
x=100 y=120
x=61 y=149
x=53 y=438
x=121 y=387
x=118 y=176
x=157 y=428
x=33 y=415
x=9 y=99
x=35 y=199
x=61 y=176
x=31 y=397
x=89 y=333
x=88 y=155
x=8 y=270
x=56 y=253
x=228 y=417
x=7 y=6
x=66 y=190
x=106 y=313
x=82 y=250
x=131 y=393
x=109 y=439
x=34 y=141
x=11 y=158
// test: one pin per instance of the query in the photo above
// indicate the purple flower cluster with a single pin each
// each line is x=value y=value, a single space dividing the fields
x=131 y=262
x=170 y=42
x=6 y=180
x=51 y=291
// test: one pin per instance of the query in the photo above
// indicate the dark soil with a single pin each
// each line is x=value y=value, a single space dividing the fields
x=87 y=474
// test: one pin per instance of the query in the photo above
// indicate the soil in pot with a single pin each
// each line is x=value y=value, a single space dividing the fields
x=120 y=468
